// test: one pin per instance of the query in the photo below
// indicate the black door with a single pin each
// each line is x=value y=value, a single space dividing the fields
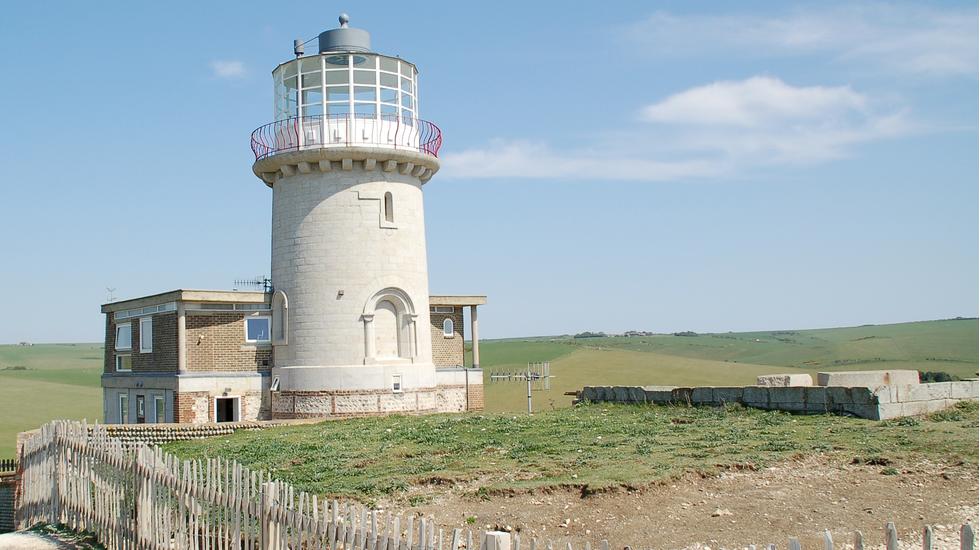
x=140 y=409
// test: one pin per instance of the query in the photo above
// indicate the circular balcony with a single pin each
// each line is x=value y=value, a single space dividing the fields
x=346 y=131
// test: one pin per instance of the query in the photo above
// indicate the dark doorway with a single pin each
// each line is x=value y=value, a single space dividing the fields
x=226 y=409
x=141 y=409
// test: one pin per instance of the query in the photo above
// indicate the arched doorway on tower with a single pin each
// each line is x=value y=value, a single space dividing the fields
x=389 y=327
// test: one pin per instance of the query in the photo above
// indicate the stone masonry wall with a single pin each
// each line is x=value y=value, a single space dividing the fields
x=447 y=352
x=340 y=403
x=880 y=403
x=193 y=407
x=216 y=342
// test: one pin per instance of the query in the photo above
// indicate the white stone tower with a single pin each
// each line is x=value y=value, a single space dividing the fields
x=346 y=158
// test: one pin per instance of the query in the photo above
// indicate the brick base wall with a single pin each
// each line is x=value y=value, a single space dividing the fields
x=475 y=397
x=193 y=407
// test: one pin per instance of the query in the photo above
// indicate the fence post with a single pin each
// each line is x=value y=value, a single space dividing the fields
x=927 y=538
x=794 y=544
x=966 y=537
x=265 y=516
x=891 y=536
x=858 y=540
x=828 y=540
x=496 y=540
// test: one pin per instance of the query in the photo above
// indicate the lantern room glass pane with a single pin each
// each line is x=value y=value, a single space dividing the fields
x=364 y=93
x=365 y=62
x=406 y=85
x=365 y=77
x=316 y=109
x=314 y=95
x=309 y=64
x=289 y=69
x=389 y=109
x=337 y=61
x=407 y=101
x=336 y=77
x=338 y=93
x=365 y=110
x=338 y=108
x=389 y=64
x=389 y=80
x=313 y=79
x=389 y=96
x=406 y=68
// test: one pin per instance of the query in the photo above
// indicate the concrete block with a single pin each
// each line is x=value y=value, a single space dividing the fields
x=887 y=411
x=756 y=396
x=660 y=395
x=925 y=392
x=914 y=408
x=496 y=540
x=702 y=396
x=815 y=395
x=868 y=378
x=681 y=395
x=787 y=395
x=621 y=394
x=590 y=393
x=965 y=390
x=784 y=380
x=637 y=395
x=723 y=395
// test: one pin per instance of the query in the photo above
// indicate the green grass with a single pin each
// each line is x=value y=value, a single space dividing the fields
x=47 y=381
x=589 y=447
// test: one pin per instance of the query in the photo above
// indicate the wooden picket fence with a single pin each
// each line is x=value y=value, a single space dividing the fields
x=133 y=496
x=7 y=465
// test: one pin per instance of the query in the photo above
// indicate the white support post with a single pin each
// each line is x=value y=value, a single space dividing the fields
x=475 y=335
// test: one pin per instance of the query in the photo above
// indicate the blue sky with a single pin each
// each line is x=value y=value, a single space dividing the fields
x=660 y=166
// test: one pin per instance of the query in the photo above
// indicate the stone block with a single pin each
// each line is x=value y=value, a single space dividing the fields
x=727 y=395
x=756 y=396
x=787 y=395
x=784 y=380
x=887 y=411
x=815 y=395
x=681 y=395
x=654 y=395
x=914 y=408
x=637 y=395
x=925 y=392
x=589 y=393
x=964 y=390
x=868 y=378
x=702 y=396
x=621 y=394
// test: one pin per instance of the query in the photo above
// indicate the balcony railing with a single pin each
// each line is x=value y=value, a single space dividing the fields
x=325 y=131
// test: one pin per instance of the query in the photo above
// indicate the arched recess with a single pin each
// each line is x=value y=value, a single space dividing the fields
x=389 y=327
x=280 y=319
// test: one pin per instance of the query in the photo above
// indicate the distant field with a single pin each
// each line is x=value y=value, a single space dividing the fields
x=46 y=381
x=62 y=380
x=725 y=358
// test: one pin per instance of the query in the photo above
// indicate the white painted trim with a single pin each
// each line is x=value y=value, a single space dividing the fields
x=144 y=320
x=118 y=356
x=245 y=328
x=129 y=327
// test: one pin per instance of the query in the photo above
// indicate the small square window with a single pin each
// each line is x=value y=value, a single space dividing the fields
x=146 y=335
x=257 y=329
x=124 y=336
x=124 y=362
x=396 y=383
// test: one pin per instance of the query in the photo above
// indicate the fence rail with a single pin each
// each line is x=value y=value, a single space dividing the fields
x=346 y=130
x=133 y=496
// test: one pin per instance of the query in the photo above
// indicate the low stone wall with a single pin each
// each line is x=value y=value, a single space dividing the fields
x=880 y=403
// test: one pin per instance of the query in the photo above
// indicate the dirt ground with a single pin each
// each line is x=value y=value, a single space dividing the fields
x=737 y=508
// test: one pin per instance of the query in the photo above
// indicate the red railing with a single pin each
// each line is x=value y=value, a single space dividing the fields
x=314 y=132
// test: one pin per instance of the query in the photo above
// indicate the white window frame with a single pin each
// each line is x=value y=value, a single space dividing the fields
x=452 y=328
x=123 y=411
x=443 y=309
x=397 y=385
x=160 y=413
x=238 y=408
x=144 y=322
x=120 y=356
x=253 y=317
x=129 y=329
x=274 y=386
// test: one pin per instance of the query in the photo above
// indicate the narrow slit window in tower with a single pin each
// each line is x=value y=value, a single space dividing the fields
x=389 y=208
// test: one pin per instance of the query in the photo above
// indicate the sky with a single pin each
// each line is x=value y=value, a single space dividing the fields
x=660 y=166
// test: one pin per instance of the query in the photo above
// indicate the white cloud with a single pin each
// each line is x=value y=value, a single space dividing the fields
x=716 y=130
x=910 y=38
x=227 y=69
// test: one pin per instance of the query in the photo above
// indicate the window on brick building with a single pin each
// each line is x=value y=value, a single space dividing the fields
x=124 y=336
x=146 y=335
x=389 y=208
x=124 y=362
x=448 y=328
x=257 y=329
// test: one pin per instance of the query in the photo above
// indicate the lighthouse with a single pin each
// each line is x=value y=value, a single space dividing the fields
x=346 y=159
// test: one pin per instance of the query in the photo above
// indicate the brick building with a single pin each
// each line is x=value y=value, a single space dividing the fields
x=194 y=356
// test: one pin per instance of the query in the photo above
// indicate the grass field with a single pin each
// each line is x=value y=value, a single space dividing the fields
x=725 y=358
x=47 y=381
x=591 y=447
x=62 y=380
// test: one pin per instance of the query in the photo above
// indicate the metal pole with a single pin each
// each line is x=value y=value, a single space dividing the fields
x=528 y=378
